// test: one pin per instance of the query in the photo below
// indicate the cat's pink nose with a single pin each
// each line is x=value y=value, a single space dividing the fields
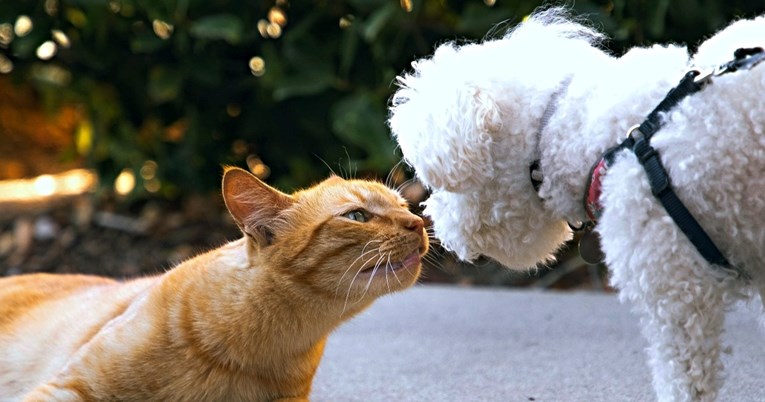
x=414 y=224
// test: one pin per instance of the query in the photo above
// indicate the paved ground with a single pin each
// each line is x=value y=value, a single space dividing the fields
x=457 y=344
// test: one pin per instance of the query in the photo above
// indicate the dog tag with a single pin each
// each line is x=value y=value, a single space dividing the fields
x=589 y=247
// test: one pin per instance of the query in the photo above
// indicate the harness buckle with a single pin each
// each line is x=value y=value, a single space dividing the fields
x=744 y=58
x=634 y=132
x=703 y=77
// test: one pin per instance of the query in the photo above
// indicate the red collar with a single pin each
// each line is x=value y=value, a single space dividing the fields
x=592 y=205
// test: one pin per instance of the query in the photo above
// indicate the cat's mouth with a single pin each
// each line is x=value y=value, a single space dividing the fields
x=410 y=261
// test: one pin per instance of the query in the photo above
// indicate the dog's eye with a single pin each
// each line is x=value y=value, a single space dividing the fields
x=358 y=215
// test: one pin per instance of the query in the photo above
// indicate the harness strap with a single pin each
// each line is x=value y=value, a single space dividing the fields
x=688 y=86
x=638 y=141
x=661 y=188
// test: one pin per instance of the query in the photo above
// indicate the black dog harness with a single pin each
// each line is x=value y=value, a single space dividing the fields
x=639 y=141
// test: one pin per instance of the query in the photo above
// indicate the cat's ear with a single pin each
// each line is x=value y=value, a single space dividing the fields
x=254 y=205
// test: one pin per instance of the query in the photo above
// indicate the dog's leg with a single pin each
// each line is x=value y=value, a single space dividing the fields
x=681 y=305
x=679 y=297
x=684 y=329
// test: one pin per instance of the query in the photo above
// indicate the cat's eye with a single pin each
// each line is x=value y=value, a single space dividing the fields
x=357 y=215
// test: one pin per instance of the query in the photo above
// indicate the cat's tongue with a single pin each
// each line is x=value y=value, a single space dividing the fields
x=410 y=261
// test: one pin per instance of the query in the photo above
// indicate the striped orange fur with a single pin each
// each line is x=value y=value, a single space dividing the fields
x=245 y=322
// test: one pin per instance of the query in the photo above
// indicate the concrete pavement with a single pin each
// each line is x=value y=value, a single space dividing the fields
x=436 y=343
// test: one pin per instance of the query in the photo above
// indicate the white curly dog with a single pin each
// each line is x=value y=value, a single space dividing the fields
x=473 y=118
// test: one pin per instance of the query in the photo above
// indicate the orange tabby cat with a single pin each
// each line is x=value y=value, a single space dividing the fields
x=245 y=322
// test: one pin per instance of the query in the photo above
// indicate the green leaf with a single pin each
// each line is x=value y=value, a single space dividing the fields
x=164 y=84
x=478 y=20
x=348 y=50
x=360 y=120
x=378 y=20
x=146 y=43
x=656 y=20
x=220 y=26
x=310 y=81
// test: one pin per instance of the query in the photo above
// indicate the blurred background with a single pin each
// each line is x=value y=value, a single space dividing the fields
x=117 y=115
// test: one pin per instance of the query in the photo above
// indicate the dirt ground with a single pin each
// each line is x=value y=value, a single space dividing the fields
x=80 y=234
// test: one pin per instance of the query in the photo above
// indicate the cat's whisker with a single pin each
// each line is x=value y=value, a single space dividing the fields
x=388 y=265
x=406 y=183
x=430 y=258
x=394 y=272
x=370 y=242
x=343 y=173
x=363 y=252
x=337 y=289
x=389 y=178
x=372 y=276
x=433 y=239
x=326 y=164
x=352 y=168
x=434 y=262
x=377 y=266
x=437 y=263
x=390 y=175
x=435 y=250
x=350 y=286
x=340 y=281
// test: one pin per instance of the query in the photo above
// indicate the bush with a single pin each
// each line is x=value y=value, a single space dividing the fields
x=173 y=89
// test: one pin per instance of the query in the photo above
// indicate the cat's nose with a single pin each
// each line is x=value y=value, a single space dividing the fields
x=414 y=224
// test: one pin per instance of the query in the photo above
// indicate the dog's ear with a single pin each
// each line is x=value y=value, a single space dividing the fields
x=444 y=123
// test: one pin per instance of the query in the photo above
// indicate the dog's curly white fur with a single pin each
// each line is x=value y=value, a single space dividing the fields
x=468 y=119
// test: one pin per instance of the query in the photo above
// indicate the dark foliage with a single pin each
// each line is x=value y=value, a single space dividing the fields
x=283 y=87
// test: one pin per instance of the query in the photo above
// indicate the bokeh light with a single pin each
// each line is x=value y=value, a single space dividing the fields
x=257 y=167
x=6 y=65
x=407 y=5
x=346 y=21
x=277 y=16
x=51 y=7
x=257 y=66
x=72 y=182
x=233 y=110
x=162 y=29
x=115 y=6
x=6 y=34
x=23 y=26
x=46 y=50
x=45 y=185
x=149 y=170
x=60 y=38
x=263 y=28
x=274 y=30
x=152 y=185
x=125 y=182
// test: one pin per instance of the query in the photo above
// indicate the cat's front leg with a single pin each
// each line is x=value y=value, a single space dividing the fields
x=51 y=392
x=291 y=400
